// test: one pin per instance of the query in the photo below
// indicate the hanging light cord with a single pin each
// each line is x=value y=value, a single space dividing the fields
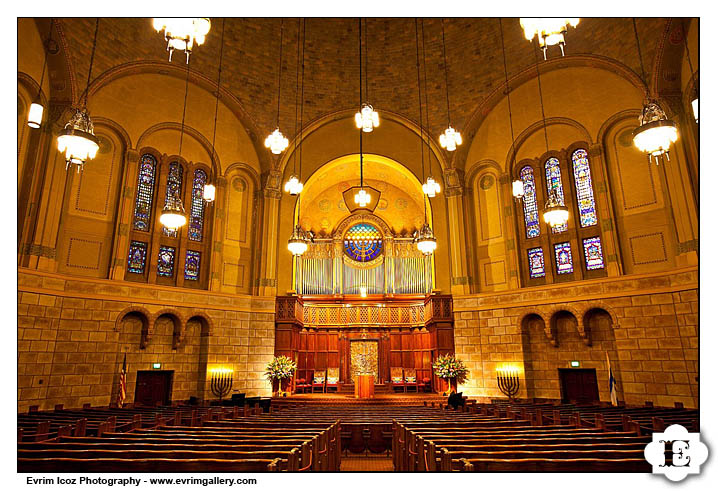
x=219 y=78
x=279 y=74
x=543 y=113
x=366 y=60
x=426 y=96
x=688 y=53
x=508 y=92
x=421 y=116
x=92 y=61
x=184 y=108
x=44 y=63
x=361 y=130
x=301 y=104
x=640 y=56
x=446 y=72
x=296 y=95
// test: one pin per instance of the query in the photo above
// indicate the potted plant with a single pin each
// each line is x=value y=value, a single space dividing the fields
x=450 y=368
x=279 y=372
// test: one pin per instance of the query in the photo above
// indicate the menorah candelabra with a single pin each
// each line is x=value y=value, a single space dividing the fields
x=508 y=382
x=221 y=383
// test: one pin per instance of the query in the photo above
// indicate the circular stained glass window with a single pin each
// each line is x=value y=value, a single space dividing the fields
x=363 y=242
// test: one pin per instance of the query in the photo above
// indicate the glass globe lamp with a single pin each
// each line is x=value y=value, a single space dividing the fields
x=431 y=187
x=276 y=142
x=425 y=240
x=555 y=213
x=367 y=118
x=181 y=33
x=450 y=139
x=78 y=140
x=655 y=133
x=293 y=186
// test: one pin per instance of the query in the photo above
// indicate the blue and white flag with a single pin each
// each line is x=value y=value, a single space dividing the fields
x=611 y=383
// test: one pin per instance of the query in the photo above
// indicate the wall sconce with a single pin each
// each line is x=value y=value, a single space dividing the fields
x=221 y=381
x=508 y=381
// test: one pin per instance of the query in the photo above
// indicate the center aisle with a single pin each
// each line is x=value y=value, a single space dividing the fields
x=366 y=464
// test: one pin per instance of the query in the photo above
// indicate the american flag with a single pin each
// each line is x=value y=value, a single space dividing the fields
x=122 y=393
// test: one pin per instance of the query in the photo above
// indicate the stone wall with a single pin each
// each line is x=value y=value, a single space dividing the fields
x=648 y=324
x=73 y=333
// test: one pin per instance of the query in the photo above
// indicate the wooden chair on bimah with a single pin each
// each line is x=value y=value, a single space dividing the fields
x=319 y=381
x=304 y=385
x=425 y=384
x=333 y=379
x=397 y=379
x=410 y=380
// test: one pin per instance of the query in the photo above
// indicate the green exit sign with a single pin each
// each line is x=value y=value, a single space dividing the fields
x=575 y=364
x=157 y=366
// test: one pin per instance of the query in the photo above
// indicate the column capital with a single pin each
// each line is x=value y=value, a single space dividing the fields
x=454 y=182
x=272 y=184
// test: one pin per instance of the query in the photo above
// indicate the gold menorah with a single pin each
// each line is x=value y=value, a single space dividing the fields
x=508 y=381
x=221 y=382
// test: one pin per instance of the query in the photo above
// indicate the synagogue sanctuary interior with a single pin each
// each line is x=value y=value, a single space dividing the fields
x=324 y=244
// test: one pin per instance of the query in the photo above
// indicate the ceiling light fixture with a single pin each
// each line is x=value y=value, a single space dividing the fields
x=78 y=139
x=367 y=118
x=276 y=141
x=294 y=185
x=424 y=237
x=450 y=138
x=550 y=30
x=34 y=115
x=182 y=32
x=209 y=191
x=655 y=131
x=431 y=187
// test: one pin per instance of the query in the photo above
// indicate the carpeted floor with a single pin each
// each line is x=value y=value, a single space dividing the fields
x=367 y=464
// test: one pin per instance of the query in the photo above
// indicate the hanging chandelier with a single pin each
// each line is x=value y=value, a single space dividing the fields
x=431 y=187
x=517 y=189
x=182 y=32
x=367 y=118
x=299 y=240
x=450 y=138
x=208 y=193
x=694 y=106
x=77 y=139
x=517 y=186
x=173 y=214
x=276 y=141
x=550 y=30
x=555 y=213
x=425 y=240
x=655 y=131
x=34 y=115
x=294 y=185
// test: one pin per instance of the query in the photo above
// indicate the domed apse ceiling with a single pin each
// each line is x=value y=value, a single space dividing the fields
x=251 y=52
x=400 y=204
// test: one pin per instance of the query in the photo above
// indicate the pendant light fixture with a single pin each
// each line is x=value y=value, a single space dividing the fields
x=694 y=96
x=361 y=197
x=555 y=212
x=173 y=214
x=450 y=138
x=655 y=132
x=424 y=237
x=299 y=240
x=276 y=141
x=517 y=186
x=431 y=187
x=78 y=139
x=182 y=32
x=367 y=118
x=550 y=30
x=209 y=191
x=34 y=115
x=294 y=185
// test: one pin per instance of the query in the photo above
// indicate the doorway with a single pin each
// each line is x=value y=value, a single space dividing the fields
x=153 y=387
x=578 y=385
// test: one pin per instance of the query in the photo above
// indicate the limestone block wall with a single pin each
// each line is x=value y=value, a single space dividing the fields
x=648 y=324
x=73 y=333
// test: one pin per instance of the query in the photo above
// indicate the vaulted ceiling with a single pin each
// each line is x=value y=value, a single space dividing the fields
x=251 y=52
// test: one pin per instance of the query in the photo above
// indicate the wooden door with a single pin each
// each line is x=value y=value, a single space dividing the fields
x=578 y=384
x=153 y=386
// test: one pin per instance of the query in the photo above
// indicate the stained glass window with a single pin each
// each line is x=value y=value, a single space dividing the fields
x=593 y=253
x=536 y=264
x=145 y=188
x=174 y=185
x=136 y=257
x=531 y=216
x=553 y=182
x=166 y=262
x=191 y=266
x=363 y=242
x=196 y=219
x=564 y=262
x=584 y=188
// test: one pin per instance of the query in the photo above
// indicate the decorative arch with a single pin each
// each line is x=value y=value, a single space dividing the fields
x=605 y=307
x=204 y=319
x=108 y=123
x=188 y=130
x=579 y=320
x=613 y=120
x=525 y=313
x=361 y=217
x=142 y=312
x=478 y=168
x=179 y=322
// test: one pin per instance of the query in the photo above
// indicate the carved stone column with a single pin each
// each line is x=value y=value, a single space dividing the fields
x=219 y=228
x=454 y=180
x=604 y=208
x=267 y=278
x=125 y=215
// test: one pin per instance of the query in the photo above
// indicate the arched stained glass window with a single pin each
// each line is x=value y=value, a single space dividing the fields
x=531 y=216
x=145 y=188
x=174 y=185
x=363 y=242
x=196 y=220
x=584 y=188
x=553 y=182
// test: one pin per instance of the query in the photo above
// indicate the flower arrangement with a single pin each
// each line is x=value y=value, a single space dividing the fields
x=448 y=367
x=280 y=368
